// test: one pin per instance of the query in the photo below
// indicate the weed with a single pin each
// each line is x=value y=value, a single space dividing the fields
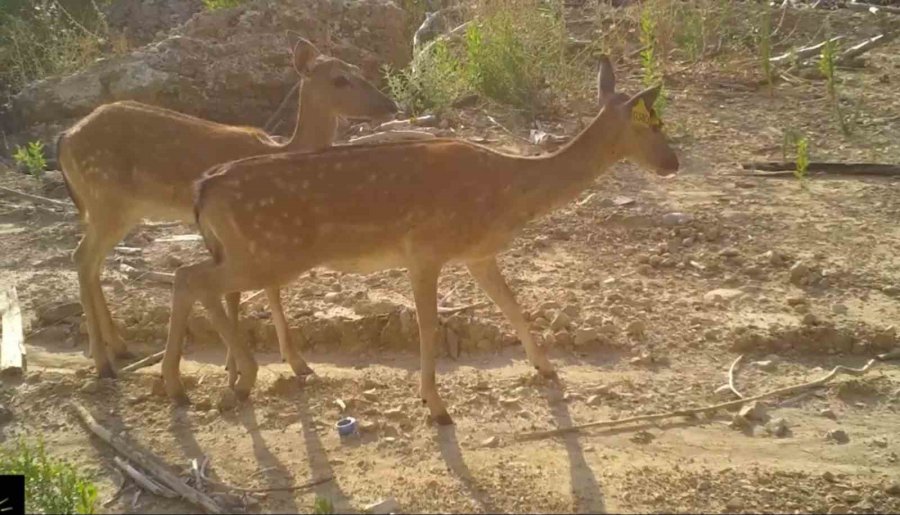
x=323 y=506
x=802 y=160
x=31 y=157
x=215 y=5
x=764 y=42
x=649 y=60
x=433 y=81
x=51 y=486
x=828 y=69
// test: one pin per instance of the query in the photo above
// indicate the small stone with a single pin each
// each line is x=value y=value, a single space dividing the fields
x=754 y=411
x=852 y=496
x=729 y=252
x=635 y=328
x=892 y=290
x=838 y=436
x=839 y=309
x=333 y=296
x=383 y=507
x=676 y=218
x=560 y=321
x=810 y=319
x=733 y=504
x=227 y=401
x=490 y=442
x=799 y=273
x=828 y=413
x=772 y=257
x=777 y=427
x=893 y=488
x=879 y=441
x=722 y=295
x=828 y=476
x=584 y=336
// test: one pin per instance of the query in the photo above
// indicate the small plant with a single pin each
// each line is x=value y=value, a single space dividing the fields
x=51 y=486
x=31 y=157
x=765 y=44
x=828 y=68
x=323 y=506
x=649 y=61
x=802 y=160
x=215 y=5
x=433 y=81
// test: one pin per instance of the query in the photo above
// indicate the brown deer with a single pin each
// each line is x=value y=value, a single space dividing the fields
x=127 y=161
x=417 y=205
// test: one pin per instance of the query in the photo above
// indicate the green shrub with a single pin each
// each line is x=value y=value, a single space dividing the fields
x=323 y=506
x=51 y=486
x=432 y=81
x=31 y=157
x=214 y=5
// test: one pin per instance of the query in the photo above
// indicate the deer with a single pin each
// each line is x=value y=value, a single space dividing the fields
x=417 y=205
x=127 y=161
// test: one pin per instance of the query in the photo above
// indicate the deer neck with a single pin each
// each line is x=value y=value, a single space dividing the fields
x=316 y=125
x=559 y=178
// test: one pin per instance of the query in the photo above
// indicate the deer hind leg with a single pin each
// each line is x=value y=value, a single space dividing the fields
x=488 y=276
x=88 y=260
x=285 y=345
x=116 y=227
x=424 y=284
x=233 y=308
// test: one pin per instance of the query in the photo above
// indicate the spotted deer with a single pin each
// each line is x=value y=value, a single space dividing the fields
x=127 y=161
x=418 y=205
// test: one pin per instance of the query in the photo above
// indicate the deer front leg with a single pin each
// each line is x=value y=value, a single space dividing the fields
x=424 y=284
x=233 y=309
x=488 y=276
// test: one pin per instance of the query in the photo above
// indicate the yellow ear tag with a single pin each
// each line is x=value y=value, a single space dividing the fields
x=640 y=114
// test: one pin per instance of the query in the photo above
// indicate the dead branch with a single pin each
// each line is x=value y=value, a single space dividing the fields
x=694 y=411
x=389 y=136
x=36 y=199
x=863 y=47
x=888 y=356
x=864 y=7
x=293 y=488
x=801 y=53
x=458 y=309
x=787 y=168
x=146 y=362
x=731 y=376
x=252 y=297
x=142 y=480
x=148 y=461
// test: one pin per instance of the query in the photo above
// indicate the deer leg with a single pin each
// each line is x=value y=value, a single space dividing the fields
x=424 y=285
x=233 y=308
x=88 y=260
x=116 y=228
x=488 y=276
x=243 y=359
x=288 y=352
x=183 y=298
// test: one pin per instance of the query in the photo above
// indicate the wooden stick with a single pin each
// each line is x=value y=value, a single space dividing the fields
x=12 y=347
x=861 y=48
x=36 y=199
x=888 y=356
x=731 y=376
x=451 y=311
x=303 y=486
x=252 y=297
x=802 y=53
x=143 y=481
x=148 y=461
x=389 y=136
x=693 y=411
x=145 y=362
x=834 y=168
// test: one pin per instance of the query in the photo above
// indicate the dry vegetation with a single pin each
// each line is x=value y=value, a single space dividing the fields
x=646 y=290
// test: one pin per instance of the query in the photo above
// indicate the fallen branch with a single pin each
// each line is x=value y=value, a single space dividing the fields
x=148 y=462
x=36 y=199
x=863 y=7
x=293 y=488
x=863 y=47
x=694 y=411
x=888 y=356
x=787 y=168
x=390 y=136
x=731 y=376
x=146 y=362
x=802 y=53
x=252 y=297
x=142 y=480
x=12 y=346
x=451 y=311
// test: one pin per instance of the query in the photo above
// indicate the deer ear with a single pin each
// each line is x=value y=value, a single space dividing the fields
x=648 y=96
x=304 y=55
x=606 y=80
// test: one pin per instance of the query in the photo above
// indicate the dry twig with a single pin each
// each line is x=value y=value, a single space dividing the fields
x=731 y=371
x=694 y=411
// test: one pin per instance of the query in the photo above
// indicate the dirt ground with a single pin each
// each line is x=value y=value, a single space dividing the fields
x=655 y=308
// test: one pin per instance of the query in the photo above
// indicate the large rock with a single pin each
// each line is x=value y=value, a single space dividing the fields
x=231 y=66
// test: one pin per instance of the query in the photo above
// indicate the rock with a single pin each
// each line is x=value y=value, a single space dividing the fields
x=490 y=442
x=6 y=415
x=635 y=328
x=892 y=290
x=676 y=218
x=572 y=310
x=384 y=506
x=839 y=309
x=560 y=321
x=838 y=436
x=583 y=336
x=722 y=295
x=734 y=504
x=799 y=273
x=729 y=252
x=777 y=427
x=227 y=401
x=797 y=300
x=333 y=297
x=893 y=488
x=810 y=319
x=828 y=413
x=754 y=411
x=828 y=476
x=851 y=496
x=879 y=441
x=59 y=311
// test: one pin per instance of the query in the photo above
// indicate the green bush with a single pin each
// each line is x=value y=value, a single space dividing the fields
x=51 y=486
x=31 y=157
x=214 y=5
x=432 y=81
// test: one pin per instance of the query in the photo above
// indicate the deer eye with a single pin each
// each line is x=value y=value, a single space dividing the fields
x=341 y=81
